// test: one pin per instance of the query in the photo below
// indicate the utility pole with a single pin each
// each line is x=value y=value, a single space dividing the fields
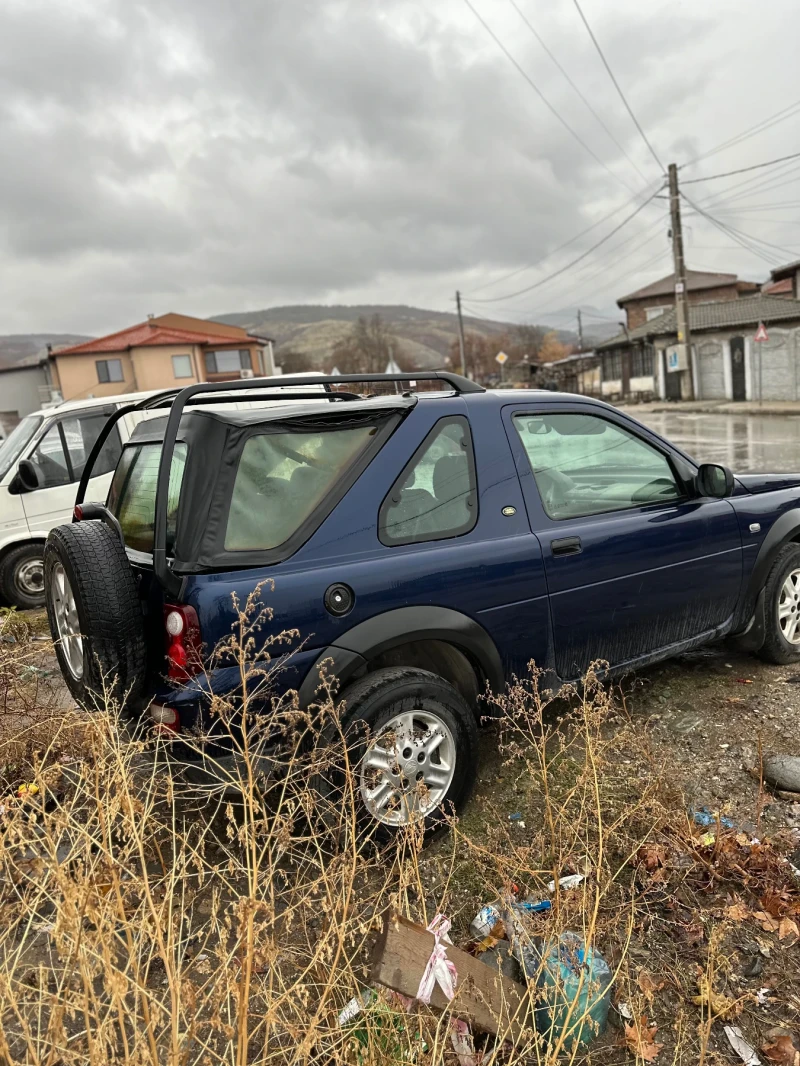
x=681 y=293
x=461 y=347
x=580 y=331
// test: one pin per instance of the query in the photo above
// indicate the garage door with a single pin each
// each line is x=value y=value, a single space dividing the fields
x=710 y=371
x=777 y=371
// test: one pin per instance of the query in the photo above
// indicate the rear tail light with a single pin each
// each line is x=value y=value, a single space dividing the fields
x=183 y=641
x=166 y=720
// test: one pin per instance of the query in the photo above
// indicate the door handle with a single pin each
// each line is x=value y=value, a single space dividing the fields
x=566 y=546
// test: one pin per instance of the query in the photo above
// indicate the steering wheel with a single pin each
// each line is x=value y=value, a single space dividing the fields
x=555 y=488
x=649 y=493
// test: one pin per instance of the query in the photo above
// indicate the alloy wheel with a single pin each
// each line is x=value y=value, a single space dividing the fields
x=67 y=622
x=789 y=608
x=408 y=768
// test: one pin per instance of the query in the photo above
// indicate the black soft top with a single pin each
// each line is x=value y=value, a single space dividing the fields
x=215 y=439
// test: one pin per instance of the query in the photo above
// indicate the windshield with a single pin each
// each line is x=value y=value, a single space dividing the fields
x=17 y=441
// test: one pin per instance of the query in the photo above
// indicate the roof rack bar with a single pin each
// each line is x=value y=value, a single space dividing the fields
x=168 y=580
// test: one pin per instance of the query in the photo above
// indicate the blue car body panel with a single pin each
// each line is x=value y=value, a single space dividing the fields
x=646 y=582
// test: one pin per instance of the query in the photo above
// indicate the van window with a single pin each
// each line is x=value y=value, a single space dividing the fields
x=132 y=496
x=282 y=477
x=17 y=441
x=62 y=452
x=51 y=459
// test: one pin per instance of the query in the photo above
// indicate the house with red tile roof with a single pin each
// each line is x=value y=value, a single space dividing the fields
x=160 y=353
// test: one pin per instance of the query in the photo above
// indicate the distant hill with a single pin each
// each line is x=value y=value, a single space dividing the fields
x=16 y=348
x=314 y=329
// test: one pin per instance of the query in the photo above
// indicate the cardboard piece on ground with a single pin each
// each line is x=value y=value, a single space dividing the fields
x=491 y=1002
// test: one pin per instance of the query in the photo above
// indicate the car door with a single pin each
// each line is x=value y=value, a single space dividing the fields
x=60 y=454
x=635 y=564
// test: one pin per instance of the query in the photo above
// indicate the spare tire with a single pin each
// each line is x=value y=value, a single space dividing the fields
x=94 y=614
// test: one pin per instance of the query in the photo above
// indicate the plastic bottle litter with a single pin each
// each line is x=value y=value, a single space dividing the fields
x=574 y=989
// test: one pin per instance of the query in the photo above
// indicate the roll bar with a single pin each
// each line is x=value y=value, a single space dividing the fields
x=177 y=399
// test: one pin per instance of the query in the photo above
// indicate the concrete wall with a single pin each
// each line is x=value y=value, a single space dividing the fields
x=19 y=390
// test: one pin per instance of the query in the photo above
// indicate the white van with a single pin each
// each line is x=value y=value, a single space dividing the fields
x=57 y=442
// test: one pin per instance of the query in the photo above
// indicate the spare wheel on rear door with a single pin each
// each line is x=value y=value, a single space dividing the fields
x=94 y=614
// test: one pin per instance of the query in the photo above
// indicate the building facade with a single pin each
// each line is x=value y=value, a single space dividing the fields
x=164 y=352
x=726 y=363
x=654 y=300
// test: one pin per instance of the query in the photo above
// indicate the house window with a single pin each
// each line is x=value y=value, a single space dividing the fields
x=612 y=367
x=642 y=362
x=109 y=370
x=655 y=312
x=228 y=362
x=182 y=366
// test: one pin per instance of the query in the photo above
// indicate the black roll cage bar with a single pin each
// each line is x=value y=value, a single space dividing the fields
x=178 y=398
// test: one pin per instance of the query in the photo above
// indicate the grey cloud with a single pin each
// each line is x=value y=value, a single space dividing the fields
x=177 y=152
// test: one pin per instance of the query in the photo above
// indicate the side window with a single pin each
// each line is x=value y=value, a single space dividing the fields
x=585 y=465
x=436 y=496
x=49 y=456
x=80 y=434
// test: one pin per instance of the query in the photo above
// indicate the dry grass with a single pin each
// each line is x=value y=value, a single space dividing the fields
x=146 y=921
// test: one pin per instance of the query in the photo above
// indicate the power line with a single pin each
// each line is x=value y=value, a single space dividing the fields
x=742 y=239
x=580 y=258
x=560 y=248
x=752 y=131
x=758 y=184
x=742 y=170
x=617 y=87
x=553 y=110
x=592 y=111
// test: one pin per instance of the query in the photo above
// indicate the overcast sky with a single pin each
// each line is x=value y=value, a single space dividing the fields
x=206 y=157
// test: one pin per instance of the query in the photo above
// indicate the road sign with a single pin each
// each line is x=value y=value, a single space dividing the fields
x=501 y=358
x=761 y=334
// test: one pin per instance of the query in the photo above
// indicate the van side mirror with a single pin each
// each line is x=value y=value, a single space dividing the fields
x=714 y=480
x=28 y=478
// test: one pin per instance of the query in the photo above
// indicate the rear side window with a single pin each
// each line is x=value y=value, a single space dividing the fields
x=132 y=497
x=436 y=495
x=283 y=477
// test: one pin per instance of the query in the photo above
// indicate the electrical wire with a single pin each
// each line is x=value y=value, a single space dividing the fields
x=553 y=110
x=572 y=84
x=742 y=170
x=752 y=131
x=569 y=266
x=742 y=239
x=749 y=186
x=561 y=247
x=617 y=87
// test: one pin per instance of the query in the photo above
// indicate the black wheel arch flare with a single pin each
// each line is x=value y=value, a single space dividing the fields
x=349 y=654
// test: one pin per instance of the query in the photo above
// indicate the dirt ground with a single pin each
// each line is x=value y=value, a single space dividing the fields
x=706 y=717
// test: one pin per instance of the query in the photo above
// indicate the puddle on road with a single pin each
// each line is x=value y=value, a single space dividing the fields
x=744 y=443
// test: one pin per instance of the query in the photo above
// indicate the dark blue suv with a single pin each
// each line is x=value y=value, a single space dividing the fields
x=427 y=543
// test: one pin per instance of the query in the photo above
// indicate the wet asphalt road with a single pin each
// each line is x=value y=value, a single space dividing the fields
x=752 y=443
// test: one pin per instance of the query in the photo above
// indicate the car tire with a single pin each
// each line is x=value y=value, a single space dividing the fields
x=94 y=614
x=22 y=577
x=422 y=706
x=779 y=599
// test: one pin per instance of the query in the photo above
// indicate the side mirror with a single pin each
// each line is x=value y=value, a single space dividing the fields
x=29 y=477
x=714 y=480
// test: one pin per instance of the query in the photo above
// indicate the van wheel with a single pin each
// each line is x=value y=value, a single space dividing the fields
x=94 y=614
x=22 y=577
x=413 y=743
x=782 y=608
